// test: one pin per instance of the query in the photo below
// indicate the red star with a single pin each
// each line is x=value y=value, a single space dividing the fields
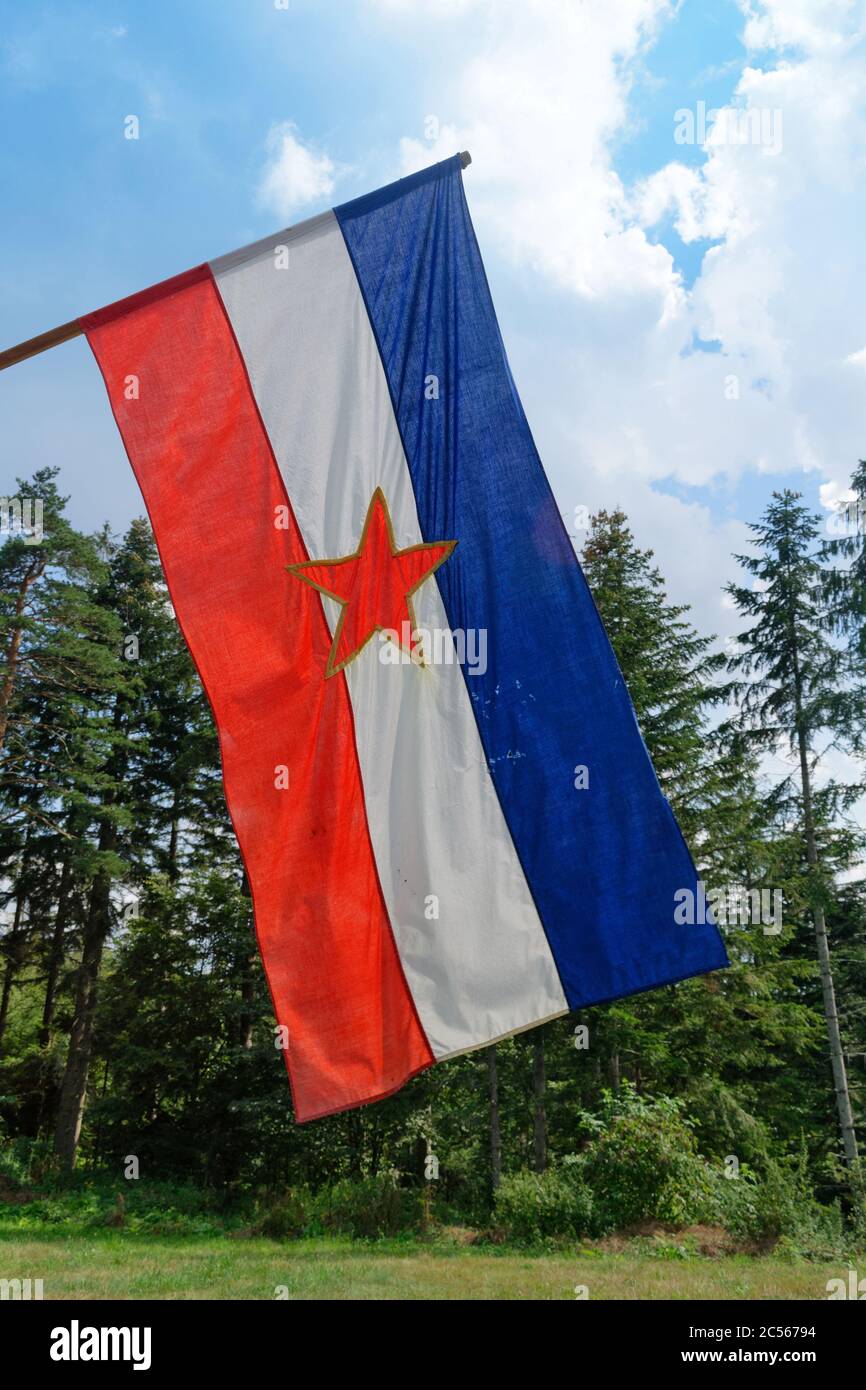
x=375 y=585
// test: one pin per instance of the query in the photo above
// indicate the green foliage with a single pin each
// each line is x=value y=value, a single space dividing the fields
x=110 y=789
x=367 y=1208
x=642 y=1163
x=556 y=1205
x=779 y=1206
x=23 y=1161
x=137 y=1208
x=723 y=1125
x=291 y=1215
x=370 y=1207
x=668 y=666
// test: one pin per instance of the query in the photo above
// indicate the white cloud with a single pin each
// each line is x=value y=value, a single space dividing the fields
x=619 y=398
x=538 y=105
x=295 y=174
x=834 y=494
x=782 y=290
x=814 y=26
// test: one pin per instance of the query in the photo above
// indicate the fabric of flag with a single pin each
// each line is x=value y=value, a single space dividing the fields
x=347 y=500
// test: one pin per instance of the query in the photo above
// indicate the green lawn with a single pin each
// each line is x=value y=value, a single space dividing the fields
x=115 y=1264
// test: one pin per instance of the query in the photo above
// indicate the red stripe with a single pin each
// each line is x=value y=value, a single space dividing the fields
x=212 y=489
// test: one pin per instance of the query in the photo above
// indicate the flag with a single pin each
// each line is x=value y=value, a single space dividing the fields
x=450 y=824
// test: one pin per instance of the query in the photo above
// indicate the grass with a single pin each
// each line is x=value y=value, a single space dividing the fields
x=114 y=1264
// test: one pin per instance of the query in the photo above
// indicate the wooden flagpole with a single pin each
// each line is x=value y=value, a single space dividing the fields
x=41 y=343
x=62 y=334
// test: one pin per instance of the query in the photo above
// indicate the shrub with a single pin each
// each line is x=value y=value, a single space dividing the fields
x=819 y=1234
x=370 y=1207
x=83 y=1209
x=289 y=1217
x=780 y=1204
x=643 y=1164
x=531 y=1207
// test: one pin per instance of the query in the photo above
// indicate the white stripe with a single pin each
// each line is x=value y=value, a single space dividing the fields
x=483 y=968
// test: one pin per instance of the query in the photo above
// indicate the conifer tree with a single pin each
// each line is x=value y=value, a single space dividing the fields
x=845 y=583
x=672 y=1038
x=672 y=672
x=58 y=672
x=134 y=594
x=793 y=695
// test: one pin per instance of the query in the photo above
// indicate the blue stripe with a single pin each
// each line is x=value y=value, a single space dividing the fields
x=603 y=864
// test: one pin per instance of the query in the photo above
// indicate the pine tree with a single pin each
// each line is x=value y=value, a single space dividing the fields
x=845 y=583
x=674 y=1038
x=59 y=670
x=162 y=815
x=671 y=670
x=792 y=695
x=135 y=595
x=51 y=634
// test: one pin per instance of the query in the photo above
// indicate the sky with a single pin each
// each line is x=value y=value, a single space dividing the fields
x=667 y=198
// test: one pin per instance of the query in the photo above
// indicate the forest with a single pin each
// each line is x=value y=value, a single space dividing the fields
x=136 y=1034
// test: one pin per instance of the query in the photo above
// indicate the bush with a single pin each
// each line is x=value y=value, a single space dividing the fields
x=79 y=1209
x=370 y=1207
x=291 y=1216
x=531 y=1207
x=135 y=1207
x=643 y=1164
x=779 y=1204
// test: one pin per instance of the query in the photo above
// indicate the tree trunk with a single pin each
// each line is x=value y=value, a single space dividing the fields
x=97 y=1138
x=615 y=1074
x=73 y=1091
x=55 y=956
x=837 y=1056
x=538 y=1088
x=173 y=839
x=495 y=1133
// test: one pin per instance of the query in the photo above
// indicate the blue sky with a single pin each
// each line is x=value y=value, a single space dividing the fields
x=634 y=276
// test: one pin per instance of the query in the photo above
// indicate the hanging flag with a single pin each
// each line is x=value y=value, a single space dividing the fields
x=450 y=824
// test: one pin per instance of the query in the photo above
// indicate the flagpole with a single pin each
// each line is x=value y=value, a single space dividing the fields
x=41 y=343
x=31 y=347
